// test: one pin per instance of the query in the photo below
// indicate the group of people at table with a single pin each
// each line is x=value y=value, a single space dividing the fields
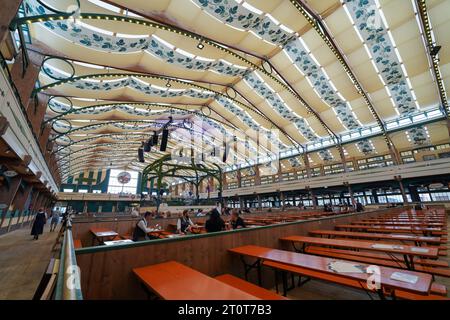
x=214 y=223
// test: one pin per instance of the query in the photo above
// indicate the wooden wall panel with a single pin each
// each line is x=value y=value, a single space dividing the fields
x=107 y=272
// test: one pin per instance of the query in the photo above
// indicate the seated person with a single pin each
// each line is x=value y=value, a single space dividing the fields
x=236 y=221
x=200 y=213
x=142 y=229
x=215 y=222
x=184 y=223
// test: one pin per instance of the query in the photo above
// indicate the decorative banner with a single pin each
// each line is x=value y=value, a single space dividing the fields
x=365 y=146
x=294 y=162
x=310 y=69
x=234 y=14
x=325 y=155
x=418 y=135
x=273 y=99
x=124 y=177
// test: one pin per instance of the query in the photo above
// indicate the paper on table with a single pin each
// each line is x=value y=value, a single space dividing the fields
x=106 y=233
x=386 y=246
x=416 y=249
x=404 y=277
x=342 y=266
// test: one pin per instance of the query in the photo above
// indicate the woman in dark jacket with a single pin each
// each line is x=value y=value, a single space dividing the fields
x=38 y=224
x=215 y=222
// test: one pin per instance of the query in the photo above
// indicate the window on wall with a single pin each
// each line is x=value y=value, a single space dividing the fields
x=115 y=186
x=67 y=190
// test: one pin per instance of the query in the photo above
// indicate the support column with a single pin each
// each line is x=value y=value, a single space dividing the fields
x=259 y=202
x=375 y=196
x=402 y=189
x=25 y=79
x=239 y=178
x=414 y=194
x=313 y=197
x=20 y=200
x=282 y=199
x=7 y=195
x=350 y=192
x=36 y=112
x=307 y=165
x=257 y=175
x=7 y=14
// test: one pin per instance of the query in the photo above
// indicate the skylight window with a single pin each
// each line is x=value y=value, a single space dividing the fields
x=88 y=26
x=105 y=5
x=132 y=36
x=88 y=65
x=251 y=8
x=171 y=46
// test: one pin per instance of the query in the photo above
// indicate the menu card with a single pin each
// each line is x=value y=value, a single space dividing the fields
x=387 y=246
x=404 y=277
x=417 y=249
x=345 y=267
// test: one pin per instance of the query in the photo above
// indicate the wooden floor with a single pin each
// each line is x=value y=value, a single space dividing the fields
x=23 y=261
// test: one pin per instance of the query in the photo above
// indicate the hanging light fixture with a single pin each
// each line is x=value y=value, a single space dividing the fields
x=200 y=45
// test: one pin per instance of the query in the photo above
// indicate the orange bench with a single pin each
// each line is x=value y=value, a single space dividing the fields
x=248 y=287
x=438 y=291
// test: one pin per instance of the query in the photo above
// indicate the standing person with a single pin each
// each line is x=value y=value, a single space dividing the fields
x=215 y=222
x=359 y=206
x=38 y=224
x=236 y=221
x=55 y=220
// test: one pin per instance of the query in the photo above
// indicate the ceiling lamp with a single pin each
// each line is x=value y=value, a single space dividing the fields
x=200 y=45
x=435 y=50
x=168 y=85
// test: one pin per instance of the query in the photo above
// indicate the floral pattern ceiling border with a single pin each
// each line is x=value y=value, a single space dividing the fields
x=235 y=14
x=383 y=53
x=96 y=40
x=278 y=105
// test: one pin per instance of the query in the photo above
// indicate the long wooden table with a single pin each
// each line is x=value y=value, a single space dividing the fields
x=175 y=281
x=404 y=229
x=400 y=223
x=320 y=264
x=408 y=252
x=377 y=236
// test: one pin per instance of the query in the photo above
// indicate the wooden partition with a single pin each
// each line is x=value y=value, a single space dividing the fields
x=106 y=272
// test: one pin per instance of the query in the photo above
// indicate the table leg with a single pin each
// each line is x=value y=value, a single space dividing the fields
x=407 y=263
x=249 y=267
